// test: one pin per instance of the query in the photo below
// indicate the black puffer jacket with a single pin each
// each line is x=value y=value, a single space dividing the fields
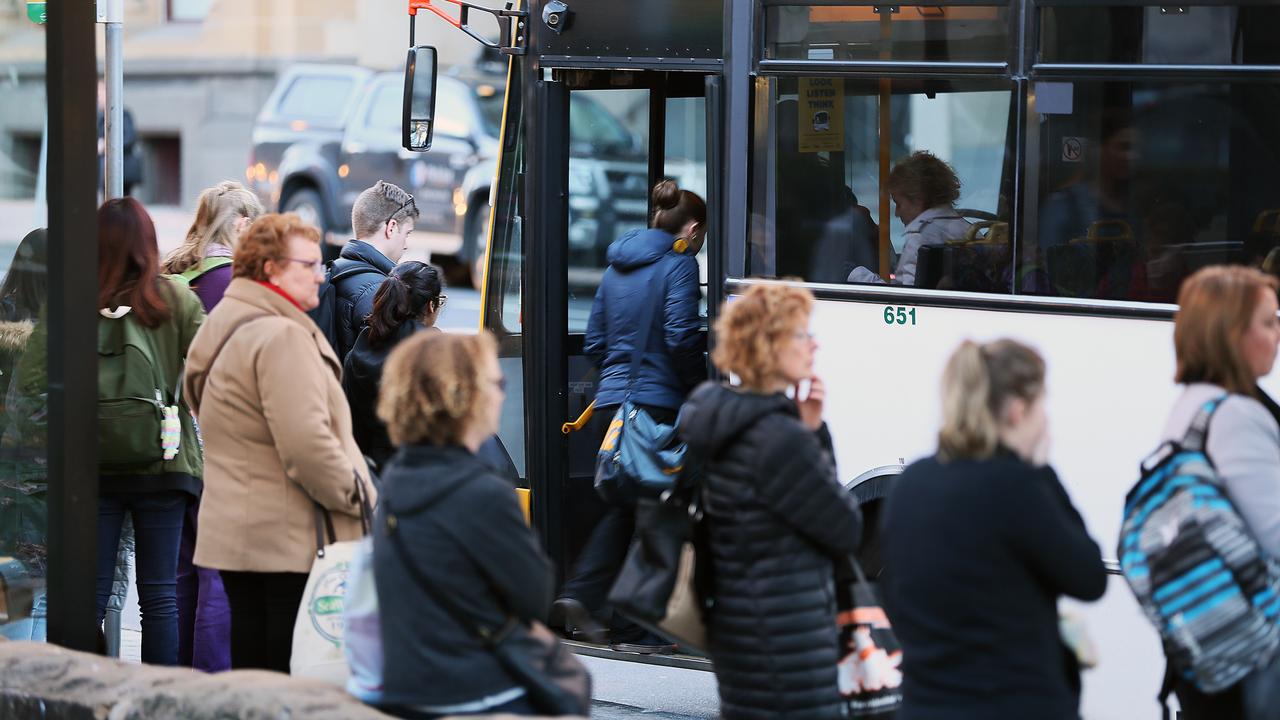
x=777 y=518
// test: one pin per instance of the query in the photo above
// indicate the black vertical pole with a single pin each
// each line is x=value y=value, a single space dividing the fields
x=72 y=324
x=738 y=44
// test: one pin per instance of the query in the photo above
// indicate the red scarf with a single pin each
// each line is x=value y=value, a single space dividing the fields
x=276 y=289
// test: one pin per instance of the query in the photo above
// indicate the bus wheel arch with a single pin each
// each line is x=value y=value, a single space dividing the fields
x=870 y=489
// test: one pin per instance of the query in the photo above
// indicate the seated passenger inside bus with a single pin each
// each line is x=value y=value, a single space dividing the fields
x=924 y=190
x=847 y=240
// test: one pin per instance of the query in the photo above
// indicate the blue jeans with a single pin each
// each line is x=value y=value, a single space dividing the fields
x=157 y=523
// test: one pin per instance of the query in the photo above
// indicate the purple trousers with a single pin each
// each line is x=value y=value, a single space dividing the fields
x=204 y=616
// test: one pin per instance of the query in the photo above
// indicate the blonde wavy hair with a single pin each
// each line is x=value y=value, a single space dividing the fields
x=433 y=389
x=753 y=326
x=217 y=211
x=978 y=381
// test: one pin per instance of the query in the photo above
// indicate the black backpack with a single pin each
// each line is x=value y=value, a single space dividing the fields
x=325 y=314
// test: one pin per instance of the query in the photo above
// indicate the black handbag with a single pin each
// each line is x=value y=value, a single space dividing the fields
x=555 y=681
x=665 y=580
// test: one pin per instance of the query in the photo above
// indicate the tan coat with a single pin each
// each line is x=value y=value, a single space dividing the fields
x=277 y=434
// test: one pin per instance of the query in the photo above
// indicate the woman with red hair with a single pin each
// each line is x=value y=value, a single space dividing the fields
x=149 y=462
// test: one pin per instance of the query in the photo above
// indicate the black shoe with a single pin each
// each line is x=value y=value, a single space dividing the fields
x=573 y=621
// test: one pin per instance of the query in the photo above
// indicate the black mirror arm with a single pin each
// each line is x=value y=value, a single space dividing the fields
x=504 y=17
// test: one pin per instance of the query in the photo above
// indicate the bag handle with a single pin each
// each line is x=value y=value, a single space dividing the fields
x=646 y=326
x=324 y=521
x=1197 y=437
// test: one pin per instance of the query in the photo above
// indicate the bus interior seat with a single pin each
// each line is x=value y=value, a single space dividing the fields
x=1263 y=238
x=975 y=263
x=1099 y=265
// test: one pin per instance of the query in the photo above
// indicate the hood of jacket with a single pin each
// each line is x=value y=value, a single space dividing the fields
x=409 y=490
x=639 y=248
x=715 y=415
x=358 y=252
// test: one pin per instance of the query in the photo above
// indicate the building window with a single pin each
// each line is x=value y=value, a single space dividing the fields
x=188 y=10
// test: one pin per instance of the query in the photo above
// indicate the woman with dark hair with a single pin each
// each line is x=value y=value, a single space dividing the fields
x=150 y=465
x=409 y=300
x=656 y=267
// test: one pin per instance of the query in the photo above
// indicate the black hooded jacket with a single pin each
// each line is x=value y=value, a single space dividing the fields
x=463 y=527
x=355 y=291
x=777 y=518
x=361 y=377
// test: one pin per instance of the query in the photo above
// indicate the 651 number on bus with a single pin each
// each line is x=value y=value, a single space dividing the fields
x=899 y=315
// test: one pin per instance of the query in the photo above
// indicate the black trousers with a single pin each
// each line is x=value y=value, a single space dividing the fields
x=264 y=607
x=601 y=558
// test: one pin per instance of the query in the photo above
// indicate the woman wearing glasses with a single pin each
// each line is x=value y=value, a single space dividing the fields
x=408 y=301
x=264 y=384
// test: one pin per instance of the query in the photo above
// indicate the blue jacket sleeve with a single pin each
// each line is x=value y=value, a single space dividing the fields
x=682 y=324
x=595 y=344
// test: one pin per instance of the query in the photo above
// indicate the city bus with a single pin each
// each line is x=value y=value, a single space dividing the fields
x=1105 y=150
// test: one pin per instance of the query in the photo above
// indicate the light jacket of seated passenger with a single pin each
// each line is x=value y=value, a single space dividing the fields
x=934 y=226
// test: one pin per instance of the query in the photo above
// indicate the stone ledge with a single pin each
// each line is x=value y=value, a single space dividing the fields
x=45 y=681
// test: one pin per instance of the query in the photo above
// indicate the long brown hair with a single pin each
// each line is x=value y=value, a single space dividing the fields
x=412 y=288
x=1215 y=307
x=128 y=261
x=978 y=381
x=673 y=208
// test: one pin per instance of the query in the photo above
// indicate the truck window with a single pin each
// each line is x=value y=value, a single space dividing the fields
x=489 y=99
x=384 y=110
x=316 y=97
x=453 y=109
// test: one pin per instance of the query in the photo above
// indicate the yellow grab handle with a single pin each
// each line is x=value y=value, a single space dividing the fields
x=581 y=422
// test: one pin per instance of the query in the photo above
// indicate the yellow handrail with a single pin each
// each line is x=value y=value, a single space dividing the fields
x=581 y=422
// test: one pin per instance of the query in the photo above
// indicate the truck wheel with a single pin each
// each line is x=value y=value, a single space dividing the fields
x=308 y=204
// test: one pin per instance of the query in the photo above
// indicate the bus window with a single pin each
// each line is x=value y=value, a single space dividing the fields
x=819 y=167
x=1143 y=183
x=1174 y=34
x=967 y=33
x=608 y=185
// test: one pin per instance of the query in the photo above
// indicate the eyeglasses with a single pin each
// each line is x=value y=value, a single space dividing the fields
x=802 y=336
x=316 y=266
x=500 y=382
x=407 y=203
x=439 y=301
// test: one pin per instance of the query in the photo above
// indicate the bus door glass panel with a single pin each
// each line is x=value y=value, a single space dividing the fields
x=503 y=279
x=1176 y=33
x=965 y=33
x=685 y=161
x=608 y=185
x=824 y=149
x=1142 y=183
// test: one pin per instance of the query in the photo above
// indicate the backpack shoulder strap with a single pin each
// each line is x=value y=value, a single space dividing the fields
x=202 y=267
x=1197 y=437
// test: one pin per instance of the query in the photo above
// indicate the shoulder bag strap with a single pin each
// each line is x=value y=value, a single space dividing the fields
x=646 y=325
x=1197 y=437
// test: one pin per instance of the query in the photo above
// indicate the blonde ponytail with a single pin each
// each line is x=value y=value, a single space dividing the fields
x=977 y=382
x=217 y=212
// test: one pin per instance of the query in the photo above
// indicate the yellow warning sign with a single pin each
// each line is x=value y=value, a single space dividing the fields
x=821 y=115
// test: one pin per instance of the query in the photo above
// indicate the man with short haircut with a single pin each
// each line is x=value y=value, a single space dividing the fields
x=382 y=219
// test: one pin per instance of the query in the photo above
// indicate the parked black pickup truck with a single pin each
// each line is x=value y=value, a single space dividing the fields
x=327 y=132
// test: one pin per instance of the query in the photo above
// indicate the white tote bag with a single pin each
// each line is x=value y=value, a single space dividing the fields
x=363 y=628
x=318 y=629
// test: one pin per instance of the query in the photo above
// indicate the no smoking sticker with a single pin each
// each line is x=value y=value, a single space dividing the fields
x=1072 y=149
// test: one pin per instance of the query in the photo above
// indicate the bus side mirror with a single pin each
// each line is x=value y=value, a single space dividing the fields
x=419 y=111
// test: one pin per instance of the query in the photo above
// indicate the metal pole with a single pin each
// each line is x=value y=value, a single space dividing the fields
x=111 y=14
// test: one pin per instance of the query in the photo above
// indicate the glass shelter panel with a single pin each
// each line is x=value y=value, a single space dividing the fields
x=968 y=33
x=1175 y=34
x=823 y=209
x=23 y=331
x=1140 y=184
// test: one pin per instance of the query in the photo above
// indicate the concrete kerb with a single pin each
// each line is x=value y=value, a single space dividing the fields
x=46 y=681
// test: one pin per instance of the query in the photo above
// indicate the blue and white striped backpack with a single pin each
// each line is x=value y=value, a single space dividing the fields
x=1197 y=569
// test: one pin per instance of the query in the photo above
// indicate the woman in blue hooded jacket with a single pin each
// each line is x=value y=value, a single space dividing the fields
x=657 y=266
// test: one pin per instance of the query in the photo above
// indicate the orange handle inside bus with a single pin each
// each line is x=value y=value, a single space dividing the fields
x=581 y=422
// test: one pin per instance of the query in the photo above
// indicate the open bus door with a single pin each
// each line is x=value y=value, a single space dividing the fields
x=606 y=137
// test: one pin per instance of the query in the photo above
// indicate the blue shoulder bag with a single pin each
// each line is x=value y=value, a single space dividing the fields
x=638 y=452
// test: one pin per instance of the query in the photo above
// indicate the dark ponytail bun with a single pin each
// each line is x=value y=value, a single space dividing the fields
x=403 y=297
x=673 y=208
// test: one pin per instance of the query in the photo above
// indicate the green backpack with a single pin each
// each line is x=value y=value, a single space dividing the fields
x=188 y=276
x=138 y=421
